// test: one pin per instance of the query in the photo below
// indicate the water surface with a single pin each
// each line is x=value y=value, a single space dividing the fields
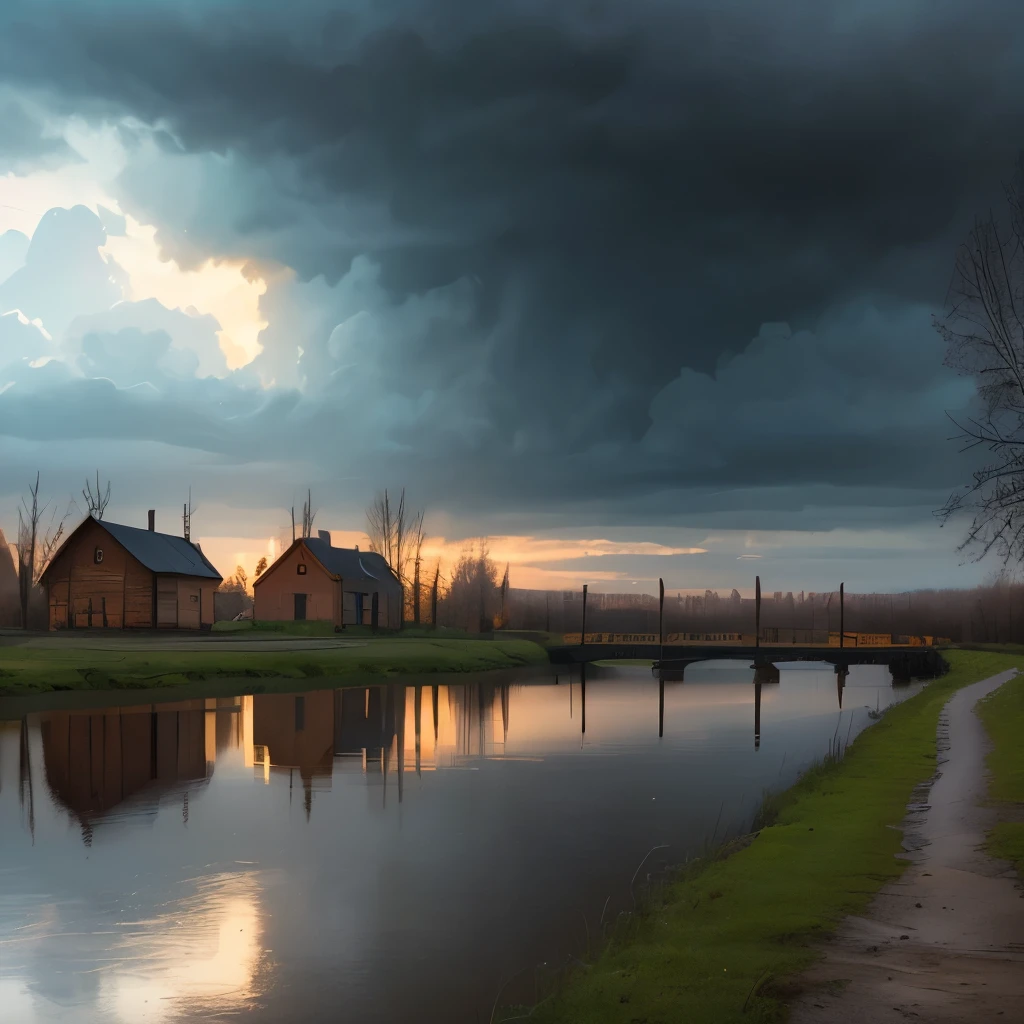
x=371 y=854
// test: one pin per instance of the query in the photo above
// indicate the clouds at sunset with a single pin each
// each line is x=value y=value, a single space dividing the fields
x=667 y=270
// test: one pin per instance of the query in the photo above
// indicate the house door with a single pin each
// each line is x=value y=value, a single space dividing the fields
x=300 y=607
x=359 y=609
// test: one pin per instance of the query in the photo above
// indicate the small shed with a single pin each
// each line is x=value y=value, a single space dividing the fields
x=109 y=576
x=316 y=581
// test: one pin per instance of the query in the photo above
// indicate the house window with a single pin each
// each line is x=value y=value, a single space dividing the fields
x=97 y=555
x=301 y=568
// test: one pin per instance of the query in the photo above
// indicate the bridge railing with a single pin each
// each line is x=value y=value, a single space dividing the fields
x=770 y=637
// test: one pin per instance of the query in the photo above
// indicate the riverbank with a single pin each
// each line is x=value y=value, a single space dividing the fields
x=723 y=944
x=944 y=942
x=1003 y=716
x=96 y=662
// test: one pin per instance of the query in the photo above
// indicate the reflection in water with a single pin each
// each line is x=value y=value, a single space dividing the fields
x=267 y=855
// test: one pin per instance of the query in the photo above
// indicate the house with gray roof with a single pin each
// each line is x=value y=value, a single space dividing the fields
x=313 y=580
x=112 y=576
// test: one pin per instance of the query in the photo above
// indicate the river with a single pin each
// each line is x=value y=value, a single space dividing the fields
x=392 y=853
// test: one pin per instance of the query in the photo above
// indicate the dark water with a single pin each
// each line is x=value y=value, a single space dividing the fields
x=387 y=854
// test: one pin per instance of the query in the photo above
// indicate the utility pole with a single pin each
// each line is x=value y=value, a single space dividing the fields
x=661 y=618
x=757 y=611
x=842 y=626
x=583 y=627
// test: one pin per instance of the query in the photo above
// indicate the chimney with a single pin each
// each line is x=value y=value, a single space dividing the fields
x=152 y=520
x=357 y=547
x=325 y=536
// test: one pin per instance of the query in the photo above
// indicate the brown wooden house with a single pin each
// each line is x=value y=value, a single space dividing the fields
x=109 y=576
x=314 y=580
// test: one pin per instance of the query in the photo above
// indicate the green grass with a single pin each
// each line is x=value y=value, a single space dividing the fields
x=715 y=946
x=64 y=666
x=1003 y=715
x=311 y=627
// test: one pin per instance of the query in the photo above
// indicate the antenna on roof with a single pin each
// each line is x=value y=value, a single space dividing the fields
x=186 y=518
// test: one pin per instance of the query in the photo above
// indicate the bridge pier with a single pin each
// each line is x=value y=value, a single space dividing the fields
x=765 y=672
x=841 y=671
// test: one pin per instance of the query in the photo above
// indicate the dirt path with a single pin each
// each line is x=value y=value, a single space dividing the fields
x=944 y=943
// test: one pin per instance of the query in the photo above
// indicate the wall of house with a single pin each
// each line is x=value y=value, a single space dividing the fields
x=84 y=593
x=118 y=591
x=275 y=591
x=389 y=613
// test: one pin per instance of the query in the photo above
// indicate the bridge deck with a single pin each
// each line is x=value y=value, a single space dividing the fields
x=927 y=660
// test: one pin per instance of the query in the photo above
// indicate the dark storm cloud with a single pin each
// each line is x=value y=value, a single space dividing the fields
x=24 y=143
x=615 y=193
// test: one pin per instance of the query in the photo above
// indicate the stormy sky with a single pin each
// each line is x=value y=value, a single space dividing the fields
x=658 y=273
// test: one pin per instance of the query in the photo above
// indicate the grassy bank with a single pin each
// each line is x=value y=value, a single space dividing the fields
x=1003 y=715
x=717 y=946
x=63 y=666
x=312 y=627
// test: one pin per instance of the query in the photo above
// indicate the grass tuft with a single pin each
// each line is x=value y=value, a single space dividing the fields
x=1002 y=713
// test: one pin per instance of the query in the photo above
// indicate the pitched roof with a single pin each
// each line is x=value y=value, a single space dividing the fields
x=161 y=552
x=349 y=563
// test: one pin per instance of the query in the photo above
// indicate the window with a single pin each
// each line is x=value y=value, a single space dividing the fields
x=301 y=568
x=97 y=555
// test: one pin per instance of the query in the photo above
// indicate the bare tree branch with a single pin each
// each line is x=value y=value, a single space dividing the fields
x=984 y=333
x=96 y=504
x=35 y=549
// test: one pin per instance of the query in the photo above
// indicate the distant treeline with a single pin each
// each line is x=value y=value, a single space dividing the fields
x=988 y=614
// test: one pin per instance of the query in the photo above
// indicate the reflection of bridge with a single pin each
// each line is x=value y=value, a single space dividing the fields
x=904 y=662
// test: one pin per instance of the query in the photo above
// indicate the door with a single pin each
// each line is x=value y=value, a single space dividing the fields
x=359 y=609
x=300 y=607
x=166 y=602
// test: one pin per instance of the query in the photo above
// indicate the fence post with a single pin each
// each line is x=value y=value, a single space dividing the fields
x=842 y=627
x=661 y=618
x=757 y=611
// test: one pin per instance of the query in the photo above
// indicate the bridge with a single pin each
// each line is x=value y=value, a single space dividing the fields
x=905 y=661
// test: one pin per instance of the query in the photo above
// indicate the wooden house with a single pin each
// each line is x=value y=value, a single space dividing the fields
x=314 y=580
x=109 y=576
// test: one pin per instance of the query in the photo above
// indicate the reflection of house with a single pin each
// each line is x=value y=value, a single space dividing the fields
x=314 y=580
x=95 y=761
x=110 y=576
x=296 y=730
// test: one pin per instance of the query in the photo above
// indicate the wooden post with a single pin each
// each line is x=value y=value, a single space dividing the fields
x=757 y=611
x=583 y=699
x=841 y=624
x=661 y=618
x=757 y=715
x=661 y=703
x=583 y=627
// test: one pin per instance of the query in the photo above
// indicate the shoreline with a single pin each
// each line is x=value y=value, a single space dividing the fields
x=940 y=939
x=14 y=707
x=120 y=665
x=728 y=942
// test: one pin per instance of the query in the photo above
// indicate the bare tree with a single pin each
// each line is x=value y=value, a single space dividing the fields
x=34 y=549
x=308 y=515
x=418 y=537
x=96 y=503
x=433 y=595
x=984 y=333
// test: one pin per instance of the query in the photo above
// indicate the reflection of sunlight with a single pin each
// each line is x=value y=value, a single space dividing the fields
x=207 y=948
